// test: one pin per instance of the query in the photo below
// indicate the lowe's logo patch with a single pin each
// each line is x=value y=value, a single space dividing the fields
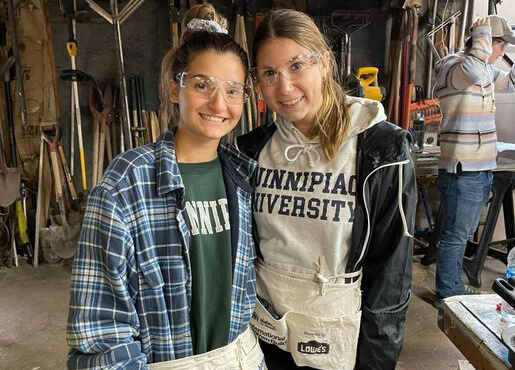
x=313 y=347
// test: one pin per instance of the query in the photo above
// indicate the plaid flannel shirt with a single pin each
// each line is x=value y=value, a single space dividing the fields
x=131 y=282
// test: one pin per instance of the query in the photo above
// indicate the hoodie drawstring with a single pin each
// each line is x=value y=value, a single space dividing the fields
x=492 y=108
x=304 y=149
x=307 y=149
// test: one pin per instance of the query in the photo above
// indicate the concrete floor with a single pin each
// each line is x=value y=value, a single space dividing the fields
x=33 y=312
x=425 y=346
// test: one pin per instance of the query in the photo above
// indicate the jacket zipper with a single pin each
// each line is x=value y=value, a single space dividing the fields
x=366 y=207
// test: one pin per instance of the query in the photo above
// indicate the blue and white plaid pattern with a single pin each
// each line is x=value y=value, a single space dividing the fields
x=131 y=281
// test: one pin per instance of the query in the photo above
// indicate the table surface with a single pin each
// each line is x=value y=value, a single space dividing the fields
x=474 y=325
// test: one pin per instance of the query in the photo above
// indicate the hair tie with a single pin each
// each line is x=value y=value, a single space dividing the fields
x=198 y=24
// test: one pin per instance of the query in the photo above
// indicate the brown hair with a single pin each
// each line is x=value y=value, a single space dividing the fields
x=202 y=11
x=192 y=43
x=332 y=120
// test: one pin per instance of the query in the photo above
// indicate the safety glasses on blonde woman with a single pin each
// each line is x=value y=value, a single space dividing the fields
x=292 y=69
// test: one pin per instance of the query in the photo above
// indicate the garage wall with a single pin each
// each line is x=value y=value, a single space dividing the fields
x=145 y=38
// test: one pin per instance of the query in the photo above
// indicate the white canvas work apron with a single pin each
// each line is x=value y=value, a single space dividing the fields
x=318 y=320
x=244 y=353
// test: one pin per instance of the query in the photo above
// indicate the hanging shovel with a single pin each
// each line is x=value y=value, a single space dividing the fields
x=64 y=237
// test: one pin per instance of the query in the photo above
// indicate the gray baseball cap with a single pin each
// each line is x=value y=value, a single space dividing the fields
x=501 y=28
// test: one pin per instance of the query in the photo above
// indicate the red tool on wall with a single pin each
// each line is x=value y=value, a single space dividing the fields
x=101 y=106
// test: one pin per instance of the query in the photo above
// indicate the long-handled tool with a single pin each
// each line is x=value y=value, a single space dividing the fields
x=95 y=106
x=340 y=25
x=173 y=16
x=65 y=236
x=67 y=174
x=142 y=107
x=101 y=106
x=19 y=74
x=10 y=175
x=448 y=22
x=72 y=133
x=412 y=65
x=52 y=144
x=115 y=126
x=14 y=251
x=240 y=36
x=70 y=11
x=183 y=8
x=10 y=182
x=9 y=109
x=399 y=68
x=429 y=65
x=39 y=200
x=10 y=179
x=74 y=75
x=107 y=105
x=116 y=18
x=139 y=125
x=154 y=124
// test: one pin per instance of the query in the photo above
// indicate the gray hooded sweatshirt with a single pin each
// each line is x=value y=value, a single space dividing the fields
x=303 y=203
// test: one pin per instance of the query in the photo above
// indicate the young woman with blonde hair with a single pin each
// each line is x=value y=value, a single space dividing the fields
x=164 y=275
x=333 y=207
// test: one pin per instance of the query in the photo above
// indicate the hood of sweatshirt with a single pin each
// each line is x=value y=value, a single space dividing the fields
x=363 y=114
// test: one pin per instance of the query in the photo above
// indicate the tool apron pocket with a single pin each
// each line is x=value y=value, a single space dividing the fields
x=242 y=354
x=324 y=338
x=324 y=342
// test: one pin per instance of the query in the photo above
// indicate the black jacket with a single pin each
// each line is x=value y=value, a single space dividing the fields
x=378 y=243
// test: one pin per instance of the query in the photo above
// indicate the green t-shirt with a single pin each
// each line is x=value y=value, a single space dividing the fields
x=210 y=253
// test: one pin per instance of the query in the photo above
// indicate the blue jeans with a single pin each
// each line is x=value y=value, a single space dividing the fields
x=464 y=196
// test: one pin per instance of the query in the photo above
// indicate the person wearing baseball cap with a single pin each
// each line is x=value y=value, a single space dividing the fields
x=466 y=85
x=502 y=35
x=501 y=28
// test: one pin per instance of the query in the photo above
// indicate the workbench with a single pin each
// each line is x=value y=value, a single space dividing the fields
x=474 y=326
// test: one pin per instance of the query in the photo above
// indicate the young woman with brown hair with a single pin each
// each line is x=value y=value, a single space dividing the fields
x=164 y=273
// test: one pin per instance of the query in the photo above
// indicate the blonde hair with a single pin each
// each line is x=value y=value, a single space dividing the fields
x=176 y=60
x=332 y=120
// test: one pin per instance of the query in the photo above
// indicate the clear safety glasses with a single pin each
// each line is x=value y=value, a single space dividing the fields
x=292 y=69
x=205 y=87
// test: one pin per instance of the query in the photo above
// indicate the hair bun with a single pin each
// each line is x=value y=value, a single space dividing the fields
x=204 y=11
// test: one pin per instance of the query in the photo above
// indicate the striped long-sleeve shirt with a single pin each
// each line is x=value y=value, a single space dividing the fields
x=466 y=85
x=131 y=281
